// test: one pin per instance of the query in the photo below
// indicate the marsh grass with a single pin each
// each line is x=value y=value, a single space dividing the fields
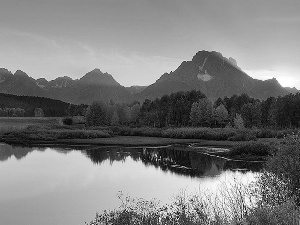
x=252 y=150
x=52 y=133
x=219 y=134
x=231 y=204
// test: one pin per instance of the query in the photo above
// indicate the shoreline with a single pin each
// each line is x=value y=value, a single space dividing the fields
x=216 y=148
x=126 y=141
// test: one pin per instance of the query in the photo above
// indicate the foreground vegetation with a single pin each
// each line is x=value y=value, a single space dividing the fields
x=245 y=144
x=37 y=133
x=273 y=199
x=54 y=131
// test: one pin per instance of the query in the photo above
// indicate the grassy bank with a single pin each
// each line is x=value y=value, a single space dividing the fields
x=205 y=133
x=243 y=143
x=251 y=151
x=37 y=133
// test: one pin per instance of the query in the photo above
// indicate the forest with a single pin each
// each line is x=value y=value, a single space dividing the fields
x=192 y=108
x=19 y=106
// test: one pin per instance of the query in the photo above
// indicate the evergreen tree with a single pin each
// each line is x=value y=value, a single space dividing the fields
x=238 y=122
x=251 y=114
x=220 y=114
x=96 y=114
x=201 y=112
x=115 y=118
x=135 y=112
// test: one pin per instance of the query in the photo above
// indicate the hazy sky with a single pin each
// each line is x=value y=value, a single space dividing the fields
x=138 y=40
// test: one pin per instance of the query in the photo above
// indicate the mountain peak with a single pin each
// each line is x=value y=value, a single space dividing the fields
x=203 y=55
x=96 y=70
x=215 y=75
x=20 y=73
x=5 y=71
x=96 y=77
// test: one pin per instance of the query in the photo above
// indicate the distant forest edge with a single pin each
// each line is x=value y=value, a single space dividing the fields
x=192 y=108
x=180 y=109
x=30 y=106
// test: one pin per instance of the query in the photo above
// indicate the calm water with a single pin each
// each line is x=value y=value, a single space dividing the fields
x=67 y=186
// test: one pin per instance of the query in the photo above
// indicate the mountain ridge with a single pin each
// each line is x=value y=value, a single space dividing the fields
x=93 y=86
x=210 y=72
x=214 y=75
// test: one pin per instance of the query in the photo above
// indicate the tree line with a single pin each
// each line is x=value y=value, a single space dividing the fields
x=112 y=114
x=192 y=108
x=13 y=105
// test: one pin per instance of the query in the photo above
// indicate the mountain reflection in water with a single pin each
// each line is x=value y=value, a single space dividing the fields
x=178 y=159
x=64 y=185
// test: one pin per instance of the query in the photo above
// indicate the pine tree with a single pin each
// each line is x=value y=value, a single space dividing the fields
x=220 y=114
x=238 y=122
x=115 y=119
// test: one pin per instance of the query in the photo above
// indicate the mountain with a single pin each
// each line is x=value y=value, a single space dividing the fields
x=96 y=77
x=210 y=72
x=135 y=89
x=19 y=83
x=215 y=76
x=94 y=86
x=292 y=90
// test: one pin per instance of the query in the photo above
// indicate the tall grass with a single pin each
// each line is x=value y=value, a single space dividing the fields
x=252 y=150
x=137 y=131
x=205 y=133
x=52 y=133
x=273 y=199
x=219 y=134
x=231 y=205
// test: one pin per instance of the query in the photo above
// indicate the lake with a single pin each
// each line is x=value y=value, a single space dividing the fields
x=68 y=186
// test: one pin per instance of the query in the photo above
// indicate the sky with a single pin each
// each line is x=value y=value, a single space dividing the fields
x=137 y=41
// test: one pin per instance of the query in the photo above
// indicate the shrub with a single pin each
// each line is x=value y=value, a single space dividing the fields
x=67 y=121
x=230 y=207
x=200 y=133
x=285 y=167
x=260 y=149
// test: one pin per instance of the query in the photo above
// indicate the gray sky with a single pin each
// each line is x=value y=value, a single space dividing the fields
x=138 y=40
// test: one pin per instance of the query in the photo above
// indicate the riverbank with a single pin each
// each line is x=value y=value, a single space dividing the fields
x=211 y=141
x=242 y=150
x=129 y=141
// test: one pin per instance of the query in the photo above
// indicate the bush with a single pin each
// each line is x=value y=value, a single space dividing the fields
x=259 y=149
x=142 y=131
x=42 y=134
x=200 y=133
x=67 y=121
x=229 y=207
x=285 y=168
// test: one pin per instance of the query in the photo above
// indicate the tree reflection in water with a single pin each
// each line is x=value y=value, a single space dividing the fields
x=178 y=159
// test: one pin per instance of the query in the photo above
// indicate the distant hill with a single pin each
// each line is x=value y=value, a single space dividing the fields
x=215 y=76
x=50 y=107
x=135 y=89
x=94 y=86
x=292 y=90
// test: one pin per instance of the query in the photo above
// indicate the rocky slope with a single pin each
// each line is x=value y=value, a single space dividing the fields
x=214 y=75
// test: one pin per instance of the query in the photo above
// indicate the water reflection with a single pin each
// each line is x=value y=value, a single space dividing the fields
x=177 y=159
x=7 y=151
x=67 y=185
